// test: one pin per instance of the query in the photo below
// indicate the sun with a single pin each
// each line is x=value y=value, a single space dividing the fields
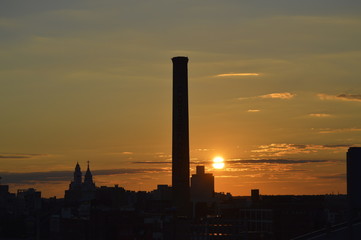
x=218 y=162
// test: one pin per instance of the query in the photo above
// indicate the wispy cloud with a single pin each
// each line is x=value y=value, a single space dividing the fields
x=282 y=149
x=193 y=161
x=56 y=176
x=20 y=155
x=203 y=149
x=284 y=95
x=339 y=130
x=253 y=110
x=237 y=74
x=340 y=176
x=330 y=146
x=319 y=115
x=152 y=162
x=342 y=97
x=126 y=171
x=278 y=161
x=127 y=153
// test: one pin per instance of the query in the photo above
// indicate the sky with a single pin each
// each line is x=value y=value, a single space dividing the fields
x=274 y=88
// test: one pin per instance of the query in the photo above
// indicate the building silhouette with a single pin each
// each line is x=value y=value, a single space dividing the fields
x=202 y=192
x=80 y=190
x=255 y=195
x=29 y=199
x=180 y=137
x=202 y=186
x=354 y=181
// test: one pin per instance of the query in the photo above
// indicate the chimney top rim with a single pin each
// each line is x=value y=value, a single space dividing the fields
x=180 y=58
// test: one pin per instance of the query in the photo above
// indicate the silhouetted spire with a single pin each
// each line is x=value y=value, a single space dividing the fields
x=88 y=179
x=76 y=183
x=77 y=174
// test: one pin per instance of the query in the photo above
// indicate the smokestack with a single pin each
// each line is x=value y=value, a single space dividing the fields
x=180 y=137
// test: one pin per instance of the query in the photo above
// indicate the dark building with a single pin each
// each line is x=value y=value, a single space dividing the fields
x=354 y=181
x=29 y=199
x=162 y=193
x=255 y=195
x=180 y=137
x=202 y=193
x=202 y=186
x=8 y=208
x=80 y=191
x=110 y=197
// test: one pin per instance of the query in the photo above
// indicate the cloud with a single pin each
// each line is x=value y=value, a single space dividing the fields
x=237 y=74
x=20 y=155
x=126 y=171
x=278 y=161
x=284 y=95
x=151 y=162
x=319 y=115
x=342 y=97
x=56 y=176
x=340 y=176
x=203 y=149
x=31 y=177
x=127 y=153
x=13 y=156
x=253 y=110
x=330 y=146
x=340 y=130
x=281 y=149
x=194 y=161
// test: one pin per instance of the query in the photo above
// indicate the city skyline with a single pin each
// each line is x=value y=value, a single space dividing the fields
x=273 y=89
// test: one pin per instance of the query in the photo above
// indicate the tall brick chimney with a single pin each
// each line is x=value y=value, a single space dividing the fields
x=180 y=137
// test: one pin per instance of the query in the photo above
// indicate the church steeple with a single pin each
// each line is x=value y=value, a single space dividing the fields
x=79 y=190
x=76 y=183
x=88 y=180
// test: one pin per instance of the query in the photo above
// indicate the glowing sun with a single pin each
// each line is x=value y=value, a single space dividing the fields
x=218 y=163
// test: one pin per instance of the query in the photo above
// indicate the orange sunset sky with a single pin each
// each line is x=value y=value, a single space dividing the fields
x=274 y=88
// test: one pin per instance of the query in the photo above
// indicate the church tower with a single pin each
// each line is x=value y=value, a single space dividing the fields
x=77 y=182
x=88 y=179
x=80 y=191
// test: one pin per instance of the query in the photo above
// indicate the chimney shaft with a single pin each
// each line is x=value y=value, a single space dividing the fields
x=180 y=136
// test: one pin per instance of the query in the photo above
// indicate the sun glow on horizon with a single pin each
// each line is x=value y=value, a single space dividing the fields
x=218 y=162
